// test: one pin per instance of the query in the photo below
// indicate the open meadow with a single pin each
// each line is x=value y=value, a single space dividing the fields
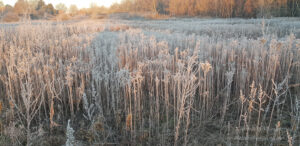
x=133 y=81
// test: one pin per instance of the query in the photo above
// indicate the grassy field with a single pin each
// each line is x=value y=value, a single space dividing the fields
x=150 y=82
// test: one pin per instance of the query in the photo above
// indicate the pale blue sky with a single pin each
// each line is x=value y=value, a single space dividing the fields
x=79 y=3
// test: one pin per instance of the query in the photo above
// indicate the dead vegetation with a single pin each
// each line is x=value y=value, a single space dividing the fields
x=126 y=85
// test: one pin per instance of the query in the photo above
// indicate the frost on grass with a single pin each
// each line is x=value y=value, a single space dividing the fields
x=174 y=82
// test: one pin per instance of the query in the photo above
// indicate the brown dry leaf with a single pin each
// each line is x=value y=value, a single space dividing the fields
x=128 y=121
x=1 y=107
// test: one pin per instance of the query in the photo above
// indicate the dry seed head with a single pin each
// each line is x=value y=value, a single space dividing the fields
x=253 y=90
x=290 y=138
x=69 y=76
x=263 y=41
x=73 y=59
x=260 y=94
x=278 y=125
x=206 y=67
x=242 y=97
x=278 y=46
x=229 y=76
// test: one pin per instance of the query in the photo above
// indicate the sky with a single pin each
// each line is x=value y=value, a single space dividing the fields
x=79 y=3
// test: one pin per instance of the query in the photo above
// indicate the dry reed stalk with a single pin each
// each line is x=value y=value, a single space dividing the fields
x=158 y=72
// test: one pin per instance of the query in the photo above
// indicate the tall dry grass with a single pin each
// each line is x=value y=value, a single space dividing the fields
x=150 y=86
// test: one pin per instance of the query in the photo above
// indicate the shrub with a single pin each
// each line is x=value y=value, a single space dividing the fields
x=63 y=17
x=11 y=17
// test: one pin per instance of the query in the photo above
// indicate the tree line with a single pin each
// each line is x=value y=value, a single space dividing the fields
x=35 y=9
x=215 y=8
x=38 y=9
